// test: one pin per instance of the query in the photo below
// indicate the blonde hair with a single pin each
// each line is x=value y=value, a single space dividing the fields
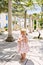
x=23 y=30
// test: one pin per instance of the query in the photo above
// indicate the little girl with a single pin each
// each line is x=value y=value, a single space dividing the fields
x=23 y=47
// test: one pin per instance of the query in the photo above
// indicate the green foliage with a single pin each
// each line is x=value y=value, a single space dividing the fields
x=3 y=5
x=29 y=3
x=40 y=2
x=41 y=23
x=35 y=24
x=17 y=5
x=6 y=28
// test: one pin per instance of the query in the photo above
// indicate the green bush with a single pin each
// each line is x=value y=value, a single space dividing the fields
x=34 y=24
x=6 y=28
x=41 y=23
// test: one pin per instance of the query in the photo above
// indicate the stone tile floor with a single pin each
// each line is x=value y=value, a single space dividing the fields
x=10 y=56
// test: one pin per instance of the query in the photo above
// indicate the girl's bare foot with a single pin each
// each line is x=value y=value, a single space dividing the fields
x=22 y=59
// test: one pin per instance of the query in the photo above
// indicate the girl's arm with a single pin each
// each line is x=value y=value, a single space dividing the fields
x=26 y=39
x=19 y=40
x=19 y=44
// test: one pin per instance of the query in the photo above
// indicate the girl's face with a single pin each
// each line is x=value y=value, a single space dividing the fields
x=23 y=33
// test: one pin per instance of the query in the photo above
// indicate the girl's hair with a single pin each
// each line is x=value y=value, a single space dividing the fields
x=23 y=30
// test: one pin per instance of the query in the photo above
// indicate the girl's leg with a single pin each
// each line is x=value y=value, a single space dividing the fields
x=24 y=55
x=21 y=56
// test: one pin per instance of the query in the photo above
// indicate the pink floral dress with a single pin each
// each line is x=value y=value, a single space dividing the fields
x=23 y=47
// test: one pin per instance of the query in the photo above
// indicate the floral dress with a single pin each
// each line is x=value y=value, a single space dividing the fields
x=23 y=47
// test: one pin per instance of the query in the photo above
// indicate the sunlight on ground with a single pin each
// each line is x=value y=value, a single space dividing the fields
x=1 y=39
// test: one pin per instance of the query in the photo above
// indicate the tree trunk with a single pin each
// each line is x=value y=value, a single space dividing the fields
x=10 y=37
x=42 y=11
x=30 y=24
x=25 y=20
x=42 y=8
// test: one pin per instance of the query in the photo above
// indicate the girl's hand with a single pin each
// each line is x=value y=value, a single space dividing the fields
x=19 y=40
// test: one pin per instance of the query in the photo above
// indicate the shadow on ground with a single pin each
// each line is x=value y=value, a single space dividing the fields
x=16 y=57
x=27 y=62
x=4 y=45
x=9 y=56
